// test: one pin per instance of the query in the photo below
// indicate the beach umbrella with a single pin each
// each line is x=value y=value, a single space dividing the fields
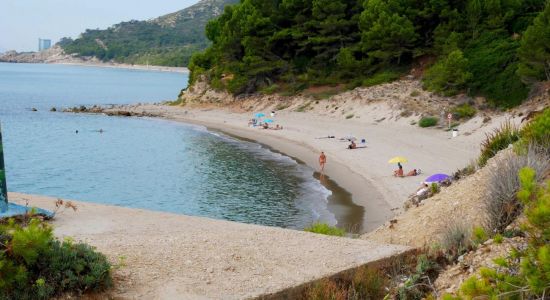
x=259 y=115
x=397 y=159
x=268 y=121
x=437 y=178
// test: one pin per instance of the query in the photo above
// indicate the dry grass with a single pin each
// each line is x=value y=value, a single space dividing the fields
x=501 y=203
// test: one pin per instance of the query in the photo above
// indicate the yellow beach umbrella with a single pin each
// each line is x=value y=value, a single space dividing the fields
x=397 y=159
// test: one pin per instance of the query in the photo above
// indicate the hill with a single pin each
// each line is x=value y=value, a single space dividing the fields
x=490 y=48
x=169 y=40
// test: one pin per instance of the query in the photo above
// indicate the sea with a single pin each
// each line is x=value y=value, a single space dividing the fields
x=143 y=162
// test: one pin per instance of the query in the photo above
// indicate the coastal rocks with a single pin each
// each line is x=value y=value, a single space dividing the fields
x=54 y=54
x=116 y=111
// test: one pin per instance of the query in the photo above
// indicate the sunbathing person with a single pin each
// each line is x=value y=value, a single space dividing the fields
x=352 y=145
x=398 y=172
x=412 y=173
x=266 y=126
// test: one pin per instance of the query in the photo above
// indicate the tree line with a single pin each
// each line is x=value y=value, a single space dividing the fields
x=492 y=48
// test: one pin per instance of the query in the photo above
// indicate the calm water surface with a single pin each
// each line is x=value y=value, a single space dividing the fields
x=142 y=163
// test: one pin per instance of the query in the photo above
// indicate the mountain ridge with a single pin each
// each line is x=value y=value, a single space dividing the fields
x=168 y=40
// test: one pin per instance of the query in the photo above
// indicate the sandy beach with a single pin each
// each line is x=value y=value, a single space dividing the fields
x=364 y=172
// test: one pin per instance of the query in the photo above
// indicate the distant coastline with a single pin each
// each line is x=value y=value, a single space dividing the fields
x=125 y=66
x=56 y=55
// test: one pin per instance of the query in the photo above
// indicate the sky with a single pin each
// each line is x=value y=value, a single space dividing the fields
x=23 y=22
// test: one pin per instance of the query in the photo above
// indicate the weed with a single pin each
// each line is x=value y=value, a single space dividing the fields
x=269 y=90
x=350 y=116
x=323 y=228
x=464 y=111
x=381 y=77
x=498 y=140
x=456 y=240
x=304 y=107
x=281 y=106
x=479 y=235
x=428 y=122
x=415 y=93
x=434 y=188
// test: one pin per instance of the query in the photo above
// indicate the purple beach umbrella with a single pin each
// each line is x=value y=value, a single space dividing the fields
x=437 y=178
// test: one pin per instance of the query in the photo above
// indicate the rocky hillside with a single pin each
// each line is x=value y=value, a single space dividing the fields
x=169 y=40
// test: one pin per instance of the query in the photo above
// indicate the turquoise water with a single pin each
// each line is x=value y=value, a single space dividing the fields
x=142 y=163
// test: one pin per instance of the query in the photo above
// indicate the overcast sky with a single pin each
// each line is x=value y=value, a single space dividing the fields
x=22 y=22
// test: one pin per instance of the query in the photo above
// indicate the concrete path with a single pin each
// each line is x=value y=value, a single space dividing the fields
x=168 y=256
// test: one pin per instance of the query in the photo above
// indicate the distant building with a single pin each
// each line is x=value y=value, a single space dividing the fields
x=44 y=44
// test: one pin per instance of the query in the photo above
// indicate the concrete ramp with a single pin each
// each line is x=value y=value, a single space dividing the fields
x=169 y=256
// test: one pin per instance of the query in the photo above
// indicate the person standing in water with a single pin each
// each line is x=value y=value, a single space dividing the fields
x=322 y=161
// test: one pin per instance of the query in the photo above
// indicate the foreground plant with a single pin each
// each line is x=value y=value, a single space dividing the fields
x=524 y=273
x=35 y=265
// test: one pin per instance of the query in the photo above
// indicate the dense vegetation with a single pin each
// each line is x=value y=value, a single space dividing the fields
x=35 y=265
x=480 y=46
x=167 y=41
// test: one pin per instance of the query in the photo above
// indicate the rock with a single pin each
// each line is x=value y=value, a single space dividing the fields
x=53 y=109
x=34 y=109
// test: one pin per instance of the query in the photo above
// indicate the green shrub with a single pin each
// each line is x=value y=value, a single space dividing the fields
x=498 y=140
x=428 y=122
x=269 y=90
x=449 y=75
x=323 y=228
x=381 y=77
x=524 y=273
x=538 y=130
x=464 y=172
x=350 y=116
x=434 y=188
x=34 y=265
x=479 y=235
x=498 y=238
x=464 y=111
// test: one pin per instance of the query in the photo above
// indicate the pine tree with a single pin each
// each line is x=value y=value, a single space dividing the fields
x=534 y=51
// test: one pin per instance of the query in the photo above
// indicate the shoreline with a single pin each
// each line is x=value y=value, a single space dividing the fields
x=365 y=173
x=376 y=212
x=111 y=65
x=349 y=215
x=124 y=66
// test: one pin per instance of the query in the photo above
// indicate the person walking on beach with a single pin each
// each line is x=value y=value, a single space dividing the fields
x=322 y=161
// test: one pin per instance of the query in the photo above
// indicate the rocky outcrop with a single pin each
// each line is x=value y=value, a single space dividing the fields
x=114 y=110
x=52 y=55
x=202 y=92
